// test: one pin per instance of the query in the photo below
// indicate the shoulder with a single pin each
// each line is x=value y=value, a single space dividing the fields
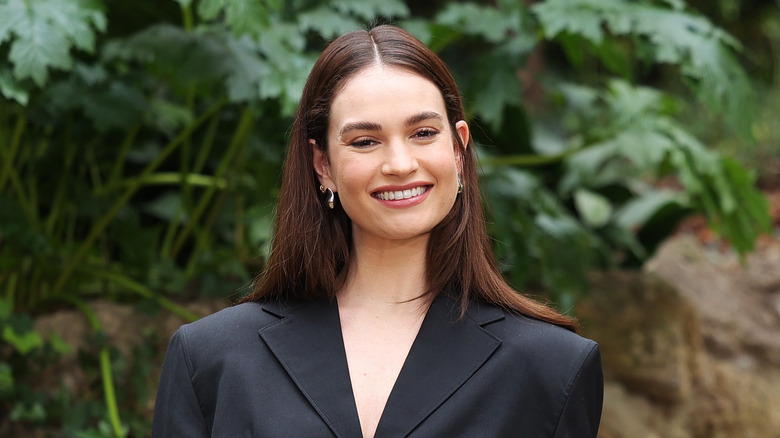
x=560 y=368
x=545 y=377
x=522 y=330
x=553 y=349
x=240 y=317
x=230 y=327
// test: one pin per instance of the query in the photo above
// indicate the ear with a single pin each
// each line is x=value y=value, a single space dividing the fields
x=462 y=131
x=321 y=166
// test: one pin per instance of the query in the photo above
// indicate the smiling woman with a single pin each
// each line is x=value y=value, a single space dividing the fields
x=380 y=311
x=392 y=158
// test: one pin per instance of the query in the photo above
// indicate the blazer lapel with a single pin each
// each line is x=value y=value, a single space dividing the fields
x=307 y=342
x=444 y=355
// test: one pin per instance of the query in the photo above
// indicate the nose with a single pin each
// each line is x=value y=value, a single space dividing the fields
x=399 y=159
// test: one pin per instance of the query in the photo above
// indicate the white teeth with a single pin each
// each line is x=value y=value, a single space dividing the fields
x=402 y=194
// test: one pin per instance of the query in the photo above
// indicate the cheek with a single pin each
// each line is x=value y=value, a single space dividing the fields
x=352 y=174
x=445 y=165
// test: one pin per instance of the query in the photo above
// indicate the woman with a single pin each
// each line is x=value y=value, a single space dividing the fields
x=380 y=311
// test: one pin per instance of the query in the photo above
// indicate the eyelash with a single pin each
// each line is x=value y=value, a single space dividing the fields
x=362 y=143
x=426 y=133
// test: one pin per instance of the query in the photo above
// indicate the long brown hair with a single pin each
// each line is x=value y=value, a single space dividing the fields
x=311 y=244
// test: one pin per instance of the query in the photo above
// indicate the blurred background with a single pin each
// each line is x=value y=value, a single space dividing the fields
x=630 y=161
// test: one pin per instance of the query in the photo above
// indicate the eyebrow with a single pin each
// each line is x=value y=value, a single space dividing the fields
x=423 y=116
x=359 y=126
x=371 y=126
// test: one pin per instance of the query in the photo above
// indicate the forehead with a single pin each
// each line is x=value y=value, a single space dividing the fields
x=384 y=90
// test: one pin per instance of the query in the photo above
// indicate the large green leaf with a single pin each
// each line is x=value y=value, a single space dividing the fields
x=368 y=10
x=635 y=213
x=327 y=22
x=471 y=19
x=241 y=16
x=11 y=88
x=13 y=14
x=39 y=46
x=594 y=208
x=580 y=17
x=44 y=31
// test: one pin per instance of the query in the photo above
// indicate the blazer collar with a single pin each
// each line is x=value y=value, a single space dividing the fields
x=447 y=351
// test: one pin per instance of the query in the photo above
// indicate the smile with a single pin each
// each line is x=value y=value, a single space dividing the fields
x=401 y=194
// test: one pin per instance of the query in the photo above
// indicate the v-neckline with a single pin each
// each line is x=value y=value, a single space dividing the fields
x=308 y=343
x=396 y=372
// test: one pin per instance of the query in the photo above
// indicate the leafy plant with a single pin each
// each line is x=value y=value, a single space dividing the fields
x=139 y=152
x=43 y=33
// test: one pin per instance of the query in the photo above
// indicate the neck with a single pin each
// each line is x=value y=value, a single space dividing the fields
x=387 y=276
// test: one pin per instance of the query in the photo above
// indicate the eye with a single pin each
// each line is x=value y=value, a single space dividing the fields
x=425 y=133
x=362 y=143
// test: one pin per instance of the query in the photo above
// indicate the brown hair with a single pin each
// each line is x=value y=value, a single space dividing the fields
x=312 y=244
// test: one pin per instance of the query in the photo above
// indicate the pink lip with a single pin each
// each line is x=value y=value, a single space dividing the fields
x=403 y=203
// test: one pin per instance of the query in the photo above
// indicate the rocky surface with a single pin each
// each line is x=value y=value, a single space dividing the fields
x=690 y=344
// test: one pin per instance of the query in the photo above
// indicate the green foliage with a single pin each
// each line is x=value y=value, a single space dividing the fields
x=23 y=343
x=531 y=225
x=703 y=52
x=644 y=140
x=493 y=87
x=141 y=165
x=43 y=33
x=241 y=16
x=58 y=411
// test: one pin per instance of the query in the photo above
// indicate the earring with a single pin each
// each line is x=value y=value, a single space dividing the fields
x=460 y=183
x=330 y=196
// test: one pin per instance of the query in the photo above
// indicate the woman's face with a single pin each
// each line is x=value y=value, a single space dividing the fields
x=392 y=156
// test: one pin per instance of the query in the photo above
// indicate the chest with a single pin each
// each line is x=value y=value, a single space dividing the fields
x=375 y=358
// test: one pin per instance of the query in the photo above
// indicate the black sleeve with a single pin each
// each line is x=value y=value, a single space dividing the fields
x=177 y=412
x=582 y=413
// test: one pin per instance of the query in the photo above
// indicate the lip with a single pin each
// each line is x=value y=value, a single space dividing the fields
x=407 y=202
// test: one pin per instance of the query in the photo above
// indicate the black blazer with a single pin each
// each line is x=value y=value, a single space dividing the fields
x=275 y=370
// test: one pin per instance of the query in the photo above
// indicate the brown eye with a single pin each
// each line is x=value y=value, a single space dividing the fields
x=361 y=143
x=426 y=133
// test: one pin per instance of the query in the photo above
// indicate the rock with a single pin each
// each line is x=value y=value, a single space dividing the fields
x=631 y=415
x=647 y=333
x=736 y=403
x=732 y=304
x=691 y=345
x=763 y=269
